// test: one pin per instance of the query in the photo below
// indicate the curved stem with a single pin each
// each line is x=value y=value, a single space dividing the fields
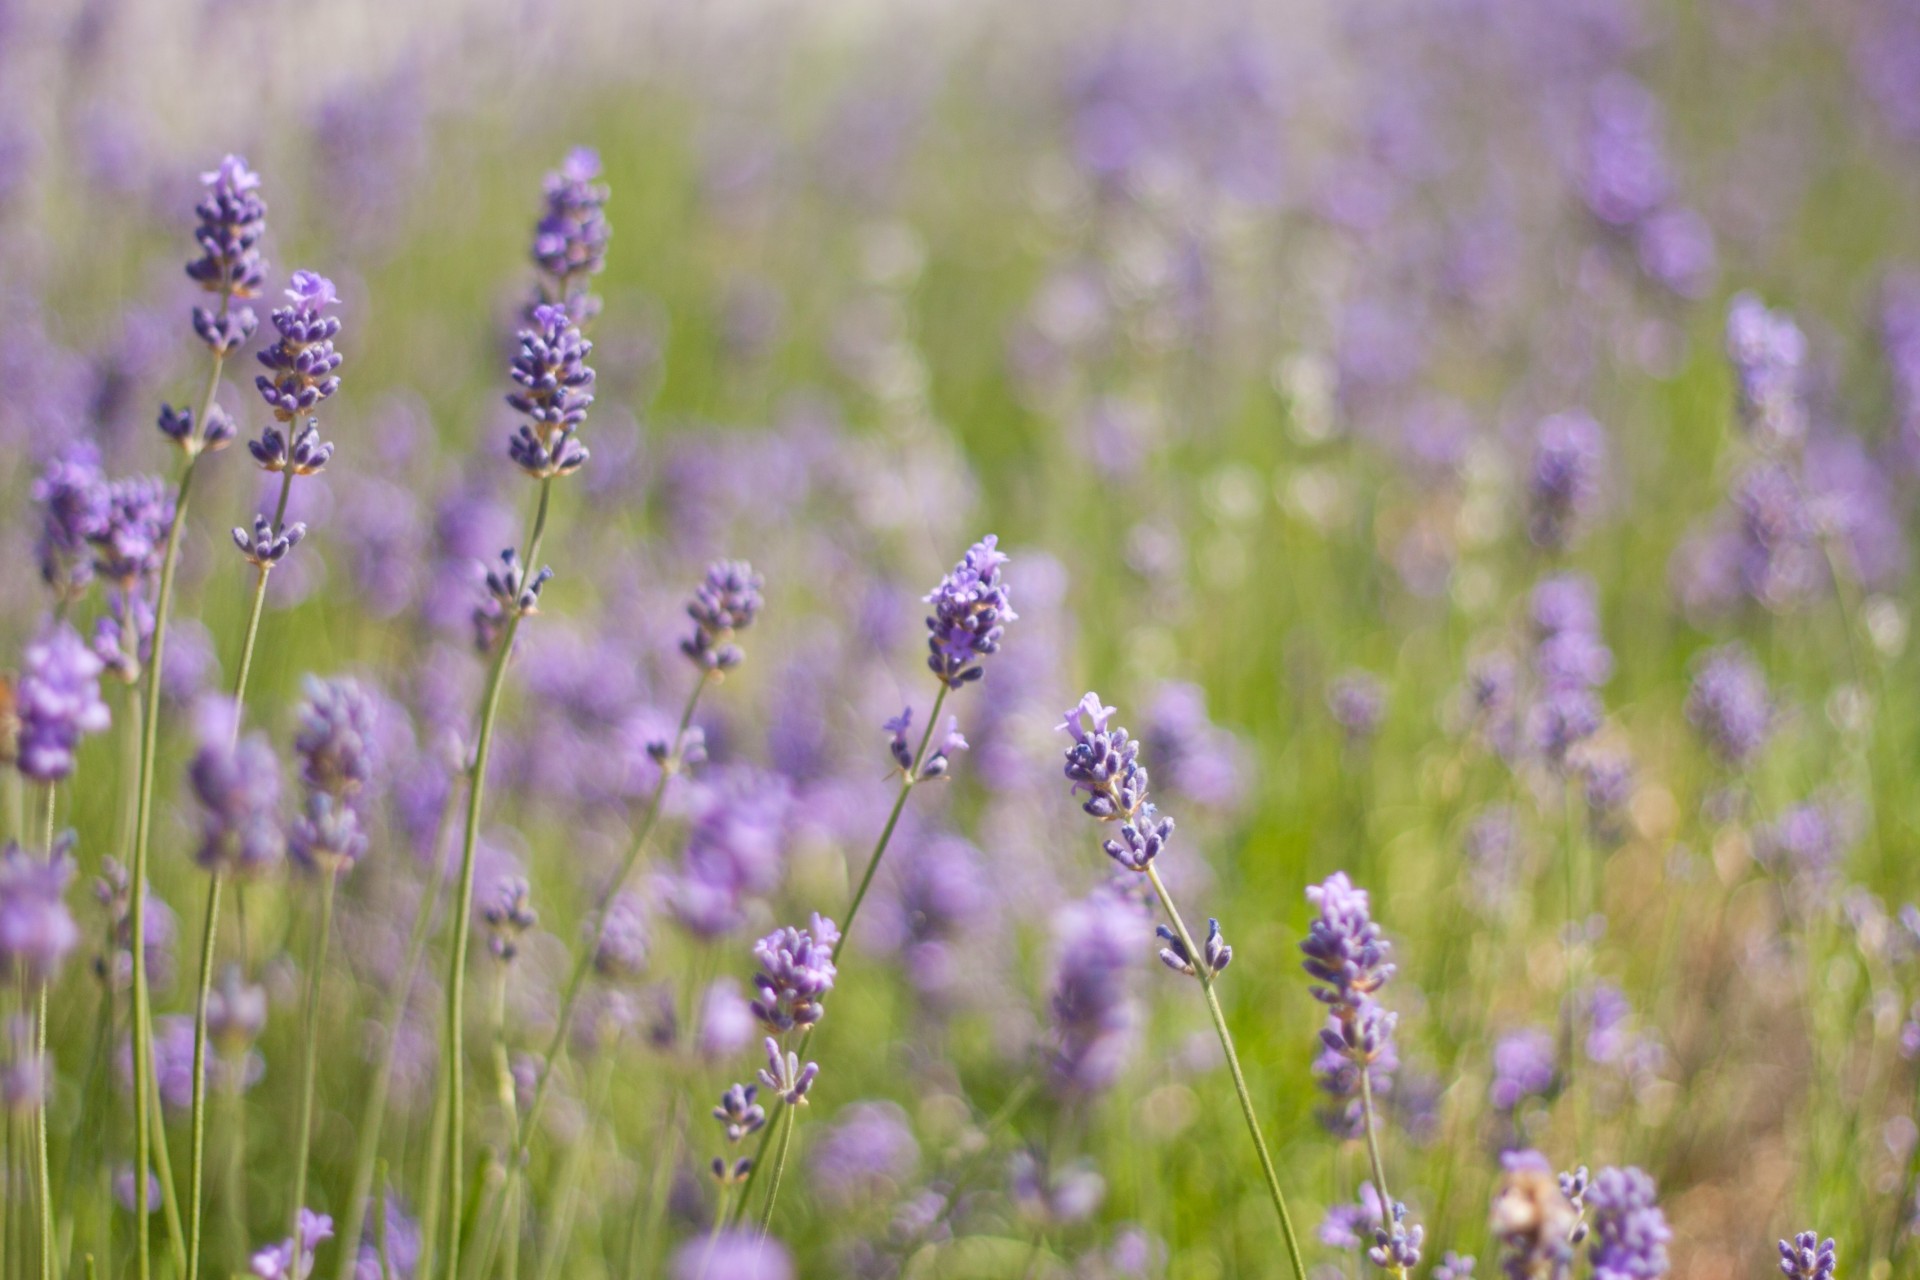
x=196 y=1162
x=779 y=1166
x=315 y=964
x=1239 y=1079
x=463 y=899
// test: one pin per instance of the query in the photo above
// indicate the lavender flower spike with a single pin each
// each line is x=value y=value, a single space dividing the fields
x=796 y=973
x=300 y=366
x=1344 y=947
x=556 y=389
x=570 y=240
x=1807 y=1257
x=233 y=218
x=58 y=701
x=971 y=608
x=1215 y=953
x=238 y=787
x=1104 y=764
x=786 y=1077
x=728 y=600
x=738 y=1113
x=1630 y=1234
x=37 y=931
x=1729 y=704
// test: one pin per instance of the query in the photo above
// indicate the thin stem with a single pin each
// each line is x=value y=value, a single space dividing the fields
x=1373 y=1154
x=379 y=1226
x=583 y=963
x=779 y=1166
x=315 y=964
x=463 y=900
x=143 y=830
x=256 y=607
x=43 y=1171
x=196 y=1158
x=908 y=777
x=713 y=1232
x=1233 y=1066
x=373 y=1112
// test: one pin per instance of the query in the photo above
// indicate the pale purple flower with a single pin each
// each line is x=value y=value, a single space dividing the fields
x=337 y=737
x=1767 y=351
x=785 y=1075
x=1729 y=704
x=570 y=240
x=1344 y=947
x=508 y=915
x=37 y=931
x=58 y=701
x=292 y=1258
x=796 y=973
x=1358 y=701
x=620 y=950
x=725 y=602
x=71 y=493
x=726 y=1023
x=129 y=543
x=741 y=1254
x=866 y=1156
x=1563 y=483
x=301 y=365
x=233 y=218
x=1055 y=1197
x=1630 y=1234
x=1807 y=1257
x=1524 y=1067
x=1094 y=1014
x=971 y=607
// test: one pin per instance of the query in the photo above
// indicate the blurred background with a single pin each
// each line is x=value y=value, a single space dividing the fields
x=1287 y=348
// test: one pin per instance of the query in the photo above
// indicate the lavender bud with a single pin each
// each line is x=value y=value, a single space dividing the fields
x=786 y=1077
x=1807 y=1257
x=339 y=725
x=1104 y=765
x=796 y=973
x=511 y=593
x=129 y=543
x=951 y=744
x=1397 y=1248
x=233 y=217
x=570 y=240
x=556 y=389
x=1454 y=1266
x=739 y=1113
x=1358 y=702
x=1215 y=953
x=1729 y=704
x=1344 y=947
x=238 y=787
x=305 y=455
x=266 y=548
x=971 y=607
x=621 y=949
x=327 y=836
x=72 y=496
x=508 y=916
x=301 y=364
x=57 y=700
x=728 y=600
x=292 y=1258
x=37 y=932
x=897 y=745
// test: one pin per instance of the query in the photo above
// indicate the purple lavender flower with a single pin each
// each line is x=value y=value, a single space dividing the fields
x=867 y=1156
x=1104 y=764
x=37 y=931
x=733 y=1255
x=1093 y=1010
x=337 y=736
x=1569 y=461
x=1396 y=1246
x=1216 y=955
x=570 y=240
x=233 y=218
x=23 y=1067
x=1807 y=1257
x=1358 y=701
x=1630 y=1234
x=786 y=1077
x=1343 y=946
x=738 y=1113
x=1626 y=175
x=951 y=744
x=292 y=1258
x=728 y=600
x=511 y=592
x=1454 y=1266
x=266 y=546
x=971 y=608
x=726 y=1023
x=328 y=836
x=796 y=973
x=1351 y=1222
x=620 y=951
x=733 y=851
x=1523 y=1067
x=129 y=543
x=508 y=915
x=1809 y=839
x=238 y=787
x=296 y=449
x=1729 y=704
x=556 y=389
x=300 y=366
x=1767 y=351
x=236 y=1011
x=57 y=701
x=1338 y=1076
x=1055 y=1197
x=72 y=495
x=402 y=1240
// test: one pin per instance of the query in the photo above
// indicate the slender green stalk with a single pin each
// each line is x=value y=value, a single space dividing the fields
x=379 y=1226
x=667 y=1154
x=142 y=833
x=312 y=1035
x=463 y=899
x=1373 y=1154
x=163 y=1170
x=583 y=963
x=236 y=1193
x=1239 y=1079
x=713 y=1232
x=908 y=777
x=196 y=1159
x=779 y=1165
x=373 y=1112
x=43 y=1170
x=430 y=1187
x=568 y=1195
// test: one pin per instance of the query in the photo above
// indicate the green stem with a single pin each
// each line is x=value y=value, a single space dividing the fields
x=142 y=835
x=255 y=607
x=463 y=899
x=583 y=963
x=1373 y=1154
x=43 y=1170
x=317 y=961
x=373 y=1112
x=779 y=1166
x=196 y=1156
x=1239 y=1079
x=908 y=777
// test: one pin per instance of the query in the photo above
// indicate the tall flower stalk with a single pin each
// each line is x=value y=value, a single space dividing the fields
x=972 y=606
x=1103 y=763
x=232 y=220
x=555 y=389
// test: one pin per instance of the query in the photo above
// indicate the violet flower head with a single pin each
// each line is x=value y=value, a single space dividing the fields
x=328 y=836
x=1524 y=1067
x=57 y=701
x=1767 y=351
x=301 y=365
x=1564 y=479
x=266 y=546
x=796 y=973
x=233 y=218
x=1729 y=704
x=37 y=931
x=971 y=608
x=238 y=787
x=508 y=915
x=1094 y=1015
x=570 y=240
x=951 y=744
x=786 y=1077
x=1344 y=947
x=726 y=601
x=236 y=1011
x=1358 y=702
x=739 y=1254
x=336 y=737
x=620 y=950
x=738 y=1113
x=897 y=744
x=1397 y=1245
x=129 y=543
x=23 y=1067
x=1807 y=1257
x=1215 y=955
x=297 y=449
x=1454 y=1266
x=1630 y=1234
x=72 y=496
x=555 y=391
x=866 y=1156
x=292 y=1258
x=1104 y=764
x=512 y=592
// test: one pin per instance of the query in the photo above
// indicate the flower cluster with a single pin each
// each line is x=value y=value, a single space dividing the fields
x=971 y=608
x=725 y=602
x=1729 y=705
x=37 y=932
x=233 y=218
x=1533 y=1219
x=57 y=700
x=238 y=786
x=71 y=493
x=796 y=973
x=1767 y=351
x=1570 y=662
x=1807 y=1257
x=509 y=915
x=556 y=390
x=335 y=747
x=1104 y=765
x=1630 y=1233
x=1563 y=483
x=570 y=240
x=512 y=592
x=292 y=1258
x=1215 y=954
x=1094 y=1014
x=301 y=364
